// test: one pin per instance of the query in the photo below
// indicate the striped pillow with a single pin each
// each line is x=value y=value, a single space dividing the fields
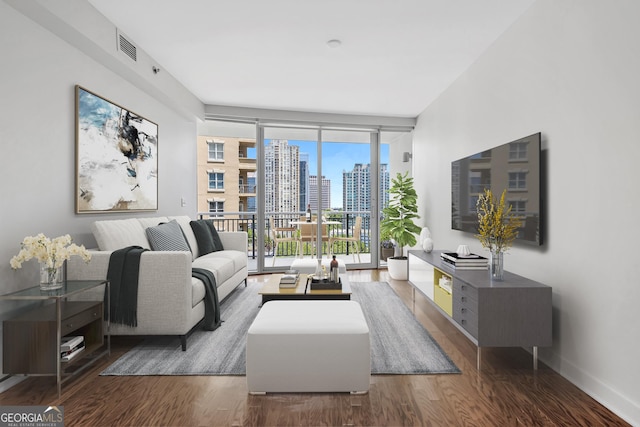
x=167 y=236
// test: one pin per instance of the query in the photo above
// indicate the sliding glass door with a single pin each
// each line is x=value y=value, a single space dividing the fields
x=349 y=176
x=288 y=163
x=331 y=173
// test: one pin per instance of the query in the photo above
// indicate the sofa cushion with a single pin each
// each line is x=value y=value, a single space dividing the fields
x=207 y=236
x=222 y=267
x=217 y=243
x=188 y=233
x=152 y=221
x=203 y=237
x=167 y=237
x=239 y=259
x=120 y=233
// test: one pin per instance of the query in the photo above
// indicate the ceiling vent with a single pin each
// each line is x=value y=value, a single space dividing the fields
x=126 y=47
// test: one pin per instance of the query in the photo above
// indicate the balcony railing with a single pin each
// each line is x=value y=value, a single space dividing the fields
x=247 y=221
x=247 y=189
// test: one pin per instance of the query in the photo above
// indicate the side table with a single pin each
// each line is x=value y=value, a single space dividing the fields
x=31 y=340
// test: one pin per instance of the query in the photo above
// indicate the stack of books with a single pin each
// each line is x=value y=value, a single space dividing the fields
x=464 y=262
x=289 y=279
x=70 y=347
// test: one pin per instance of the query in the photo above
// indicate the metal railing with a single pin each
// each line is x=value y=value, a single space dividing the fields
x=248 y=221
x=245 y=188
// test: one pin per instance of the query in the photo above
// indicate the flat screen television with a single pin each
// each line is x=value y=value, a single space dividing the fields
x=514 y=166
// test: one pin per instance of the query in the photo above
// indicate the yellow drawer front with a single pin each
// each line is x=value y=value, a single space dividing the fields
x=444 y=299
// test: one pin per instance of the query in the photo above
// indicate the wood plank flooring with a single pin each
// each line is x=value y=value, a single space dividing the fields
x=505 y=392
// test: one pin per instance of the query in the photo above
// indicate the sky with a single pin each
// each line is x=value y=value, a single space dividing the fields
x=336 y=158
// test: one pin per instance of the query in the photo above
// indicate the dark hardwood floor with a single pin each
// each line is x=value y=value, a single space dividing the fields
x=505 y=392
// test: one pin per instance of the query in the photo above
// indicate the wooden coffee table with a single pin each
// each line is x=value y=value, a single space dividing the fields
x=272 y=290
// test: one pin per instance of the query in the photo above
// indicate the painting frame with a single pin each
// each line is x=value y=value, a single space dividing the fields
x=116 y=157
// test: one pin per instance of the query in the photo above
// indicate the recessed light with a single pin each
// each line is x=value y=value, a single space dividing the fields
x=334 y=43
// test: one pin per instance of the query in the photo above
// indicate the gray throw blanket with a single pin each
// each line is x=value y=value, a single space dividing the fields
x=211 y=303
x=123 y=273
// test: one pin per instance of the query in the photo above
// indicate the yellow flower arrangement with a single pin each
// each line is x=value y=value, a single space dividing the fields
x=497 y=225
x=51 y=252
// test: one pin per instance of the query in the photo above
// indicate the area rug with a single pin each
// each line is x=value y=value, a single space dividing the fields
x=399 y=343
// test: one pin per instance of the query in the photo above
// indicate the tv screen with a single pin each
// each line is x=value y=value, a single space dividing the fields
x=514 y=166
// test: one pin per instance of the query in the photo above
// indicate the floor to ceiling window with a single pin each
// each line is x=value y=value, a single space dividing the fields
x=331 y=172
x=262 y=178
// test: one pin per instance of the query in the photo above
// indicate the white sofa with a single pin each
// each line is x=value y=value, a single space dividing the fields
x=170 y=300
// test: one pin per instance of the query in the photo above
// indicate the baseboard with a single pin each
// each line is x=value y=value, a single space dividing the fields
x=8 y=381
x=610 y=398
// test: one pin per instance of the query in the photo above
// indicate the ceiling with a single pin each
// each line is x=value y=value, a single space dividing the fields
x=395 y=58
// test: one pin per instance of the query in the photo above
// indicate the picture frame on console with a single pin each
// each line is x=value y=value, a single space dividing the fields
x=116 y=157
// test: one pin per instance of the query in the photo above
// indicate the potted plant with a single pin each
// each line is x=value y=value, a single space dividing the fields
x=397 y=222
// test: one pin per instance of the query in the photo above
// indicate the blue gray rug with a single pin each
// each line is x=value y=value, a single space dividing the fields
x=399 y=343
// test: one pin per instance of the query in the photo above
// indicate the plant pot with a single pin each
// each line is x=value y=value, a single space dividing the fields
x=385 y=253
x=398 y=268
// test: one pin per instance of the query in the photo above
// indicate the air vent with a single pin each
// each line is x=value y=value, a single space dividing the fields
x=126 y=47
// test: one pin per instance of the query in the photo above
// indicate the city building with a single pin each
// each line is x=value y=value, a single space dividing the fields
x=313 y=192
x=226 y=179
x=282 y=176
x=356 y=187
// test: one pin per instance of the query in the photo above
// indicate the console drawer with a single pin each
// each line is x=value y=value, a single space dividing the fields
x=470 y=324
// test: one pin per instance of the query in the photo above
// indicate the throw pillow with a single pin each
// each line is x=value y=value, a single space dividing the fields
x=203 y=237
x=217 y=243
x=167 y=236
x=206 y=236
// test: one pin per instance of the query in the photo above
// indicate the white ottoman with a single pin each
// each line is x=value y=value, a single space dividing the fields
x=308 y=266
x=308 y=346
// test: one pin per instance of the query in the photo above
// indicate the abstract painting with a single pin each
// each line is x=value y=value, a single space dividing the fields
x=116 y=157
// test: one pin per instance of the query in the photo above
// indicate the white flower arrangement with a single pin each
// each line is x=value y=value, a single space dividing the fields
x=51 y=252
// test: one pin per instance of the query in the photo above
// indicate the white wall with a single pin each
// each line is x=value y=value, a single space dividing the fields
x=37 y=141
x=569 y=69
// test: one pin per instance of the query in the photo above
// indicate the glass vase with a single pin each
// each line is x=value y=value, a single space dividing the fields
x=496 y=265
x=50 y=277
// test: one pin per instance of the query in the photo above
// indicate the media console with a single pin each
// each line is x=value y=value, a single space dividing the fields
x=514 y=312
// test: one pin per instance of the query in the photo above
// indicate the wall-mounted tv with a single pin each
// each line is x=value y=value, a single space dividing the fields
x=514 y=166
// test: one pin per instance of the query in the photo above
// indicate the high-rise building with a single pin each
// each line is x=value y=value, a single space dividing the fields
x=304 y=180
x=356 y=188
x=313 y=192
x=383 y=181
x=282 y=177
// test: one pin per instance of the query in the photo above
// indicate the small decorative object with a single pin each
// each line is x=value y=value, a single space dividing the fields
x=424 y=233
x=497 y=229
x=425 y=239
x=308 y=214
x=51 y=253
x=463 y=250
x=318 y=274
x=333 y=270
